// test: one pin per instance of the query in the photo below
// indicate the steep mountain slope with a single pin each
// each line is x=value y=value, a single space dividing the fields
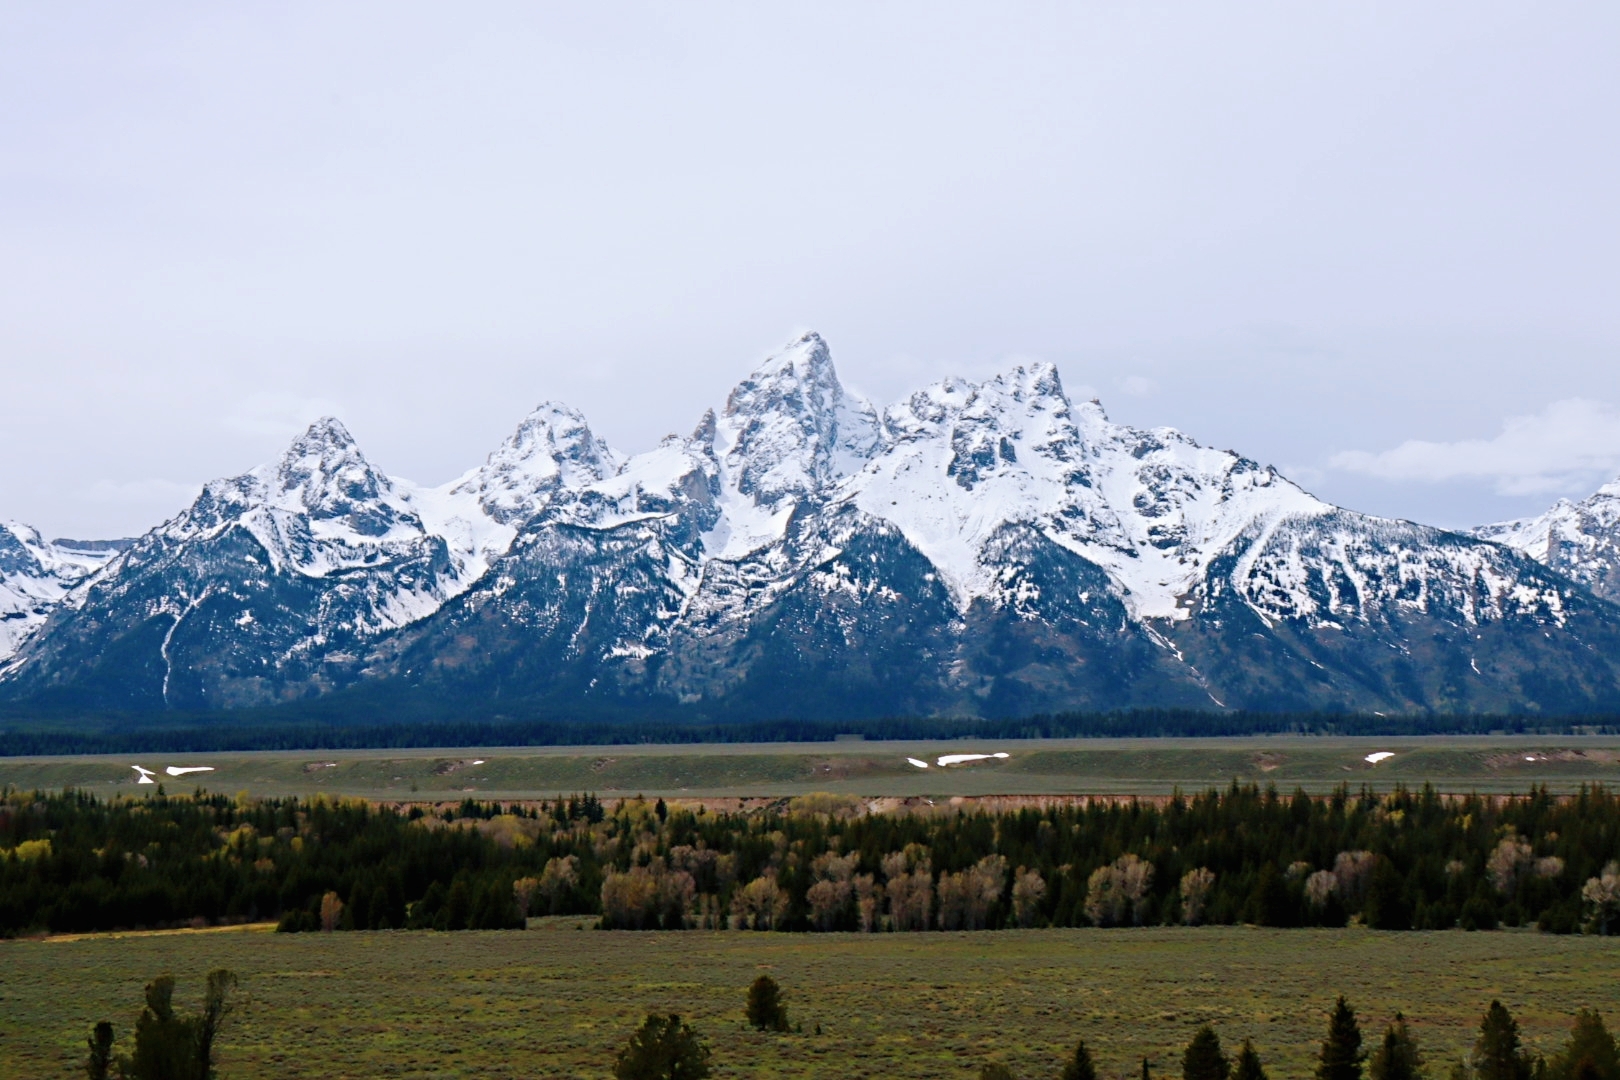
x=35 y=574
x=978 y=548
x=270 y=586
x=1580 y=540
x=991 y=548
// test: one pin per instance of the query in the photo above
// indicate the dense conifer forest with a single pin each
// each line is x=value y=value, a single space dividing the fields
x=72 y=862
x=322 y=726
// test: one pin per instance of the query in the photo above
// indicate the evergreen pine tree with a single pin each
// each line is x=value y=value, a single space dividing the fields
x=165 y=1044
x=1497 y=1054
x=1079 y=1066
x=1341 y=1055
x=663 y=1049
x=765 y=1008
x=1590 y=1051
x=98 y=1066
x=1204 y=1059
x=1386 y=907
x=1397 y=1057
x=1247 y=1066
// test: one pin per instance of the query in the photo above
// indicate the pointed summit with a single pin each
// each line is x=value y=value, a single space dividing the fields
x=791 y=428
x=324 y=475
x=552 y=448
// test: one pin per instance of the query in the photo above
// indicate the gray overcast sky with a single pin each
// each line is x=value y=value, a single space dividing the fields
x=1376 y=244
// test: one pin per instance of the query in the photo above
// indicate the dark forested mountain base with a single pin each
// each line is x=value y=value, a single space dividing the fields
x=329 y=726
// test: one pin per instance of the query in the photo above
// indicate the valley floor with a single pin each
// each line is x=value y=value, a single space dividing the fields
x=1486 y=764
x=557 y=1001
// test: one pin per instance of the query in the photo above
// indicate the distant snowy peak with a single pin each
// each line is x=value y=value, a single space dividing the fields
x=35 y=574
x=791 y=429
x=1578 y=539
x=553 y=448
x=1151 y=507
x=321 y=507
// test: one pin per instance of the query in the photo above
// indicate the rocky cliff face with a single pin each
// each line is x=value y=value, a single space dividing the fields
x=983 y=547
x=36 y=574
x=1580 y=540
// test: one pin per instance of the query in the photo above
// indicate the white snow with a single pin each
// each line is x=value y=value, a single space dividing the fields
x=35 y=575
x=1381 y=755
x=950 y=468
x=946 y=760
x=145 y=775
x=1580 y=539
x=182 y=770
x=918 y=763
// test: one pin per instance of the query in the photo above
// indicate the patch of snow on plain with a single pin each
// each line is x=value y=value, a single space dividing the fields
x=962 y=759
x=181 y=770
x=1382 y=755
x=919 y=764
x=146 y=775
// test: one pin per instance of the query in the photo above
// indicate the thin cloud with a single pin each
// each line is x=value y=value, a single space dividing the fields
x=1563 y=449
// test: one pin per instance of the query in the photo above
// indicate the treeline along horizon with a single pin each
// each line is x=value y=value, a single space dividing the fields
x=73 y=862
x=323 y=726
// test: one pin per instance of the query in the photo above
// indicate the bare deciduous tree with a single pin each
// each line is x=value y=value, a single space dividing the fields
x=1512 y=856
x=965 y=898
x=331 y=912
x=1351 y=869
x=523 y=891
x=760 y=905
x=1320 y=887
x=1028 y=890
x=1119 y=892
x=868 y=902
x=557 y=877
x=910 y=887
x=1195 y=889
x=1602 y=896
x=829 y=897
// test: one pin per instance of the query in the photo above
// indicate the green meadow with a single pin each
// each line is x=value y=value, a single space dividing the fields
x=556 y=1001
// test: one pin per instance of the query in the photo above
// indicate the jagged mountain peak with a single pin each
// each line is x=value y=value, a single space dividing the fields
x=35 y=574
x=790 y=429
x=554 y=447
x=324 y=473
x=1580 y=539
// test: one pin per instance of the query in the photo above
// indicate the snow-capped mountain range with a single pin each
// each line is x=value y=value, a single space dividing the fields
x=1578 y=539
x=983 y=547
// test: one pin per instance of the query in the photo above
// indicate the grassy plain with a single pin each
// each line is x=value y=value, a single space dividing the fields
x=557 y=1002
x=1034 y=767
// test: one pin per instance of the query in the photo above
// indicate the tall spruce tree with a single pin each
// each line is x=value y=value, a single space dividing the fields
x=663 y=1049
x=98 y=1066
x=1079 y=1066
x=765 y=1008
x=1247 y=1066
x=1397 y=1056
x=1341 y=1055
x=1590 y=1051
x=1497 y=1054
x=1203 y=1059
